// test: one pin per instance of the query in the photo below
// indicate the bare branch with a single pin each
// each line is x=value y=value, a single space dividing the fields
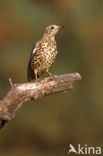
x=21 y=93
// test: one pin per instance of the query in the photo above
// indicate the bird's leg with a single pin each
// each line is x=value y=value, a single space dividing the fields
x=36 y=76
x=50 y=74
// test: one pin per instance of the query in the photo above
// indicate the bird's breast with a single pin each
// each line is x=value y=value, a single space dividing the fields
x=50 y=50
x=49 y=54
x=45 y=56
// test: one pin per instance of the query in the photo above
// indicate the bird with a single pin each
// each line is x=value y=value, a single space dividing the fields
x=43 y=53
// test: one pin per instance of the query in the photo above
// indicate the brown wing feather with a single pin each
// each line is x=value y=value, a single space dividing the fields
x=30 y=72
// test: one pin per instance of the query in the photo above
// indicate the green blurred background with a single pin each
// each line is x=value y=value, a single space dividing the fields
x=47 y=126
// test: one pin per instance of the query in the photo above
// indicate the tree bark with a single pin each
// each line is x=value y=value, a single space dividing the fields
x=21 y=93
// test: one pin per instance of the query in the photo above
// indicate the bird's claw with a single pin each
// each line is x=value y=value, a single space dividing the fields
x=53 y=77
x=38 y=80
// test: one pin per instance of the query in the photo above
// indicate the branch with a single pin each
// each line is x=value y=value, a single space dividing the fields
x=21 y=93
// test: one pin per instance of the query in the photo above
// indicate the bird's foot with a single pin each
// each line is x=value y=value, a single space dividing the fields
x=53 y=77
x=38 y=80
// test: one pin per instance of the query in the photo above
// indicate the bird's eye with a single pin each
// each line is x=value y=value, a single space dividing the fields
x=52 y=27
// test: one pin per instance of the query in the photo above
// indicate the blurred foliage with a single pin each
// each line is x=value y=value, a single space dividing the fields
x=47 y=126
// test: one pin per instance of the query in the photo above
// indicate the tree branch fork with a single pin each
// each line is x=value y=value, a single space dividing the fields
x=21 y=93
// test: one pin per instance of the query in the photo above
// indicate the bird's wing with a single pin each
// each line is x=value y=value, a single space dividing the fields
x=30 y=73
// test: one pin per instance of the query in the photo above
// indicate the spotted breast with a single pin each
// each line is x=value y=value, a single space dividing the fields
x=44 y=56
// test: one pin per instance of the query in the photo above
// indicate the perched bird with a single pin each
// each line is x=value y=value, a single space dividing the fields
x=43 y=54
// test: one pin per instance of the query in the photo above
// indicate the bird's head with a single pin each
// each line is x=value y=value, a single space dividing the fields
x=52 y=30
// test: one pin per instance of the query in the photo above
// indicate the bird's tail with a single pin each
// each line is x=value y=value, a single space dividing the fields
x=30 y=75
x=2 y=123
